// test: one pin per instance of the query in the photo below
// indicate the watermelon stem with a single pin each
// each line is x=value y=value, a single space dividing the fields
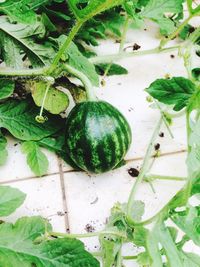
x=84 y=79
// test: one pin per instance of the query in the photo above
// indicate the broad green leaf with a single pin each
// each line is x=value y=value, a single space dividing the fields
x=18 y=10
x=156 y=10
x=176 y=91
x=3 y=150
x=78 y=61
x=138 y=210
x=57 y=14
x=189 y=222
x=18 y=117
x=16 y=38
x=36 y=159
x=6 y=88
x=17 y=247
x=194 y=102
x=10 y=199
x=91 y=8
x=114 y=69
x=171 y=251
x=190 y=259
x=55 y=102
x=75 y=58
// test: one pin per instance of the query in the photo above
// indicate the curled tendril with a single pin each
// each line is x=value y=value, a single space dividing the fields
x=41 y=119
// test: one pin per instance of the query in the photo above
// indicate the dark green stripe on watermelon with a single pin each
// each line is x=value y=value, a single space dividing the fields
x=97 y=136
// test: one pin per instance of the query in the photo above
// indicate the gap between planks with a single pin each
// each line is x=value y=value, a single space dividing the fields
x=69 y=171
x=64 y=195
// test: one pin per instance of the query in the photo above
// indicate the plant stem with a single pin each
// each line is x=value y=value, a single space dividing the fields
x=152 y=177
x=123 y=38
x=119 y=259
x=124 y=33
x=115 y=233
x=188 y=129
x=44 y=98
x=189 y=6
x=114 y=57
x=130 y=257
x=144 y=169
x=56 y=234
x=97 y=253
x=65 y=45
x=164 y=119
x=84 y=79
x=22 y=72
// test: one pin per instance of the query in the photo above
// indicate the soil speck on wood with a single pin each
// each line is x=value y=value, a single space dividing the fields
x=157 y=146
x=133 y=172
x=89 y=228
x=136 y=47
x=161 y=134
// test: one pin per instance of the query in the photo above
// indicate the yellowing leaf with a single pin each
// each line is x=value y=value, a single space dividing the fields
x=55 y=102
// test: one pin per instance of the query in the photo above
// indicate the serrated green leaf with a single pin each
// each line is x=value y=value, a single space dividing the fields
x=36 y=159
x=18 y=117
x=92 y=8
x=16 y=38
x=176 y=91
x=6 y=88
x=156 y=10
x=78 y=61
x=189 y=222
x=114 y=69
x=3 y=150
x=55 y=102
x=75 y=58
x=18 y=10
x=10 y=199
x=17 y=247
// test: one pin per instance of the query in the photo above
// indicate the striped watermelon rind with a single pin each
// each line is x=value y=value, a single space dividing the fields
x=97 y=136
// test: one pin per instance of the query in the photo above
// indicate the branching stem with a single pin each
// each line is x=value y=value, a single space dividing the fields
x=122 y=55
x=65 y=46
x=145 y=167
x=83 y=78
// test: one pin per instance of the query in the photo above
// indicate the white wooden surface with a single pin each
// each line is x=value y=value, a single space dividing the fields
x=71 y=200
